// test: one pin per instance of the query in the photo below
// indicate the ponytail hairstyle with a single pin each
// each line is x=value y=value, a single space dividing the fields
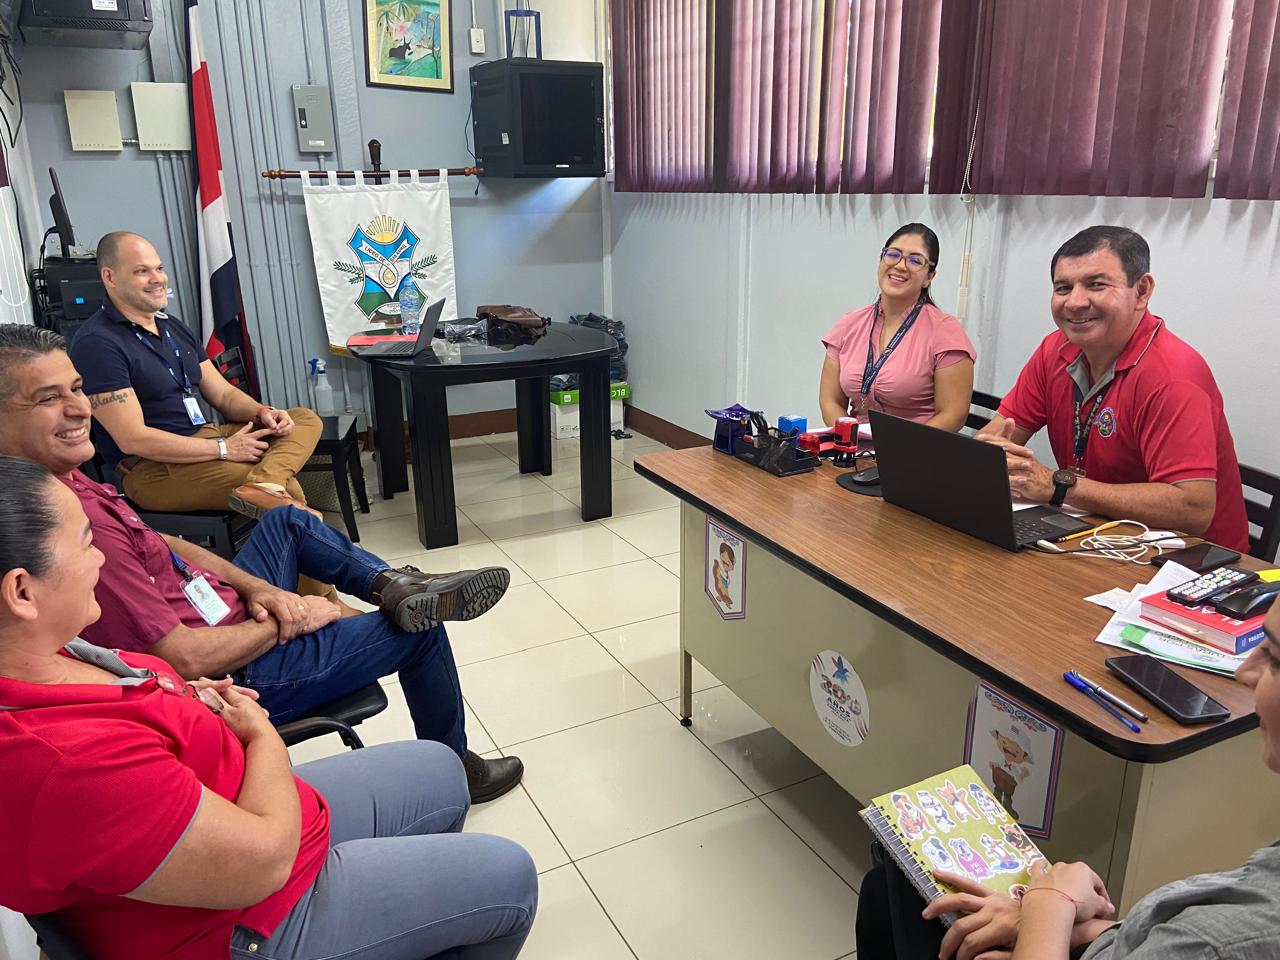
x=931 y=244
x=27 y=519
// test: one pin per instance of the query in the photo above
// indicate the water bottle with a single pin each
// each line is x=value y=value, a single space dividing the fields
x=324 y=401
x=410 y=308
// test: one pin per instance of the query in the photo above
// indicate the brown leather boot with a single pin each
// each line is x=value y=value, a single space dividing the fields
x=417 y=601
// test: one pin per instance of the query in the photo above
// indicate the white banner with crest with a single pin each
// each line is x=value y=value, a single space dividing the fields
x=370 y=241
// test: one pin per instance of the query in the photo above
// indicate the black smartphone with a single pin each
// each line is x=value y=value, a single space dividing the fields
x=1200 y=558
x=1171 y=692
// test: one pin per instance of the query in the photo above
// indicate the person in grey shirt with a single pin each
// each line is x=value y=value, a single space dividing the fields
x=1213 y=916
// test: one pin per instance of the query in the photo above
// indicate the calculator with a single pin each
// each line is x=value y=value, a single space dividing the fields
x=1208 y=585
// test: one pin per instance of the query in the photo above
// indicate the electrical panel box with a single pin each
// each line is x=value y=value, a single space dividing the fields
x=313 y=118
x=538 y=118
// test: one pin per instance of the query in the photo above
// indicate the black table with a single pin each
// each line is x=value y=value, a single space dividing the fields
x=565 y=348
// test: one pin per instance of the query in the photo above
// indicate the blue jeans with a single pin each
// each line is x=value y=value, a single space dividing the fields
x=401 y=882
x=308 y=671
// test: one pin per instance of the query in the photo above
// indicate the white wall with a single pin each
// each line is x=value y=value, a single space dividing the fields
x=726 y=297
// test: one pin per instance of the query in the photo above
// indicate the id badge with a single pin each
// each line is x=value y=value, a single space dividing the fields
x=193 y=410
x=207 y=603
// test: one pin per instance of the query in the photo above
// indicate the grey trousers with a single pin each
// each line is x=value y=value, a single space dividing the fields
x=401 y=881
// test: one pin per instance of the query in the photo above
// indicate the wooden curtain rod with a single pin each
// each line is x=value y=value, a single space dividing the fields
x=369 y=174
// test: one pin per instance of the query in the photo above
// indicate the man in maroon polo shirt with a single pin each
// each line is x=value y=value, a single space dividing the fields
x=1134 y=416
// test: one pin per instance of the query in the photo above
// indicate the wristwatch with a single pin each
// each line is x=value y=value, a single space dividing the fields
x=1063 y=480
x=222 y=448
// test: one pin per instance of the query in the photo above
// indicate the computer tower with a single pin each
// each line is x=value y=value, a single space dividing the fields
x=538 y=118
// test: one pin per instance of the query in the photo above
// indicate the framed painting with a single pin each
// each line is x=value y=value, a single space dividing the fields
x=409 y=44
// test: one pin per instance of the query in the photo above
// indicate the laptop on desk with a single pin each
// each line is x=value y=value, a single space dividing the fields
x=959 y=482
x=376 y=346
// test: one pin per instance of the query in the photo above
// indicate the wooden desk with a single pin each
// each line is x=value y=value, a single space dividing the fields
x=924 y=612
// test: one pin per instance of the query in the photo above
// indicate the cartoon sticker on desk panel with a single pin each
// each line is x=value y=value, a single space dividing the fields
x=1018 y=754
x=726 y=571
x=839 y=699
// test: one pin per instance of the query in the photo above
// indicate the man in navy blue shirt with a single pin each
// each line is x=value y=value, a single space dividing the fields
x=151 y=385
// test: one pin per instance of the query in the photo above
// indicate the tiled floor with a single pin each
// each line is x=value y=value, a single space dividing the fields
x=652 y=841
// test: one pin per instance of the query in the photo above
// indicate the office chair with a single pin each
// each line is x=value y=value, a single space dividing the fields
x=1267 y=518
x=222 y=532
x=54 y=942
x=339 y=716
x=987 y=401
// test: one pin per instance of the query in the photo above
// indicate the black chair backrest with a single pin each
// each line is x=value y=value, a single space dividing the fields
x=53 y=940
x=987 y=401
x=1266 y=516
x=231 y=365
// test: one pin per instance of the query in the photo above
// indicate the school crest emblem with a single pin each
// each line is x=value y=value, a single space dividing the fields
x=1107 y=422
x=385 y=249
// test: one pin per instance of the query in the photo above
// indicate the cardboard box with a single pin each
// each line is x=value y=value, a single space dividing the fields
x=564 y=419
x=617 y=391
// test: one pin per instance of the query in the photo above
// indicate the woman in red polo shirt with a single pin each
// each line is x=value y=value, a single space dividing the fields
x=156 y=818
x=901 y=355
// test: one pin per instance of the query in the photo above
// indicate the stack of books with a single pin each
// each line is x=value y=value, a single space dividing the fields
x=1204 y=624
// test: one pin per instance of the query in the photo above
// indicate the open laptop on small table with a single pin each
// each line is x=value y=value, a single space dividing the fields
x=961 y=483
x=402 y=348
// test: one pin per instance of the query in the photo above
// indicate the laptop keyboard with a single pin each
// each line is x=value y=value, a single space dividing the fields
x=401 y=348
x=1027 y=530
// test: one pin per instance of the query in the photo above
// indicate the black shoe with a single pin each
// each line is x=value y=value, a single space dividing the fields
x=416 y=601
x=490 y=779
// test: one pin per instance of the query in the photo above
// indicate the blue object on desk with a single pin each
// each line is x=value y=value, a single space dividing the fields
x=732 y=423
x=796 y=425
x=1084 y=688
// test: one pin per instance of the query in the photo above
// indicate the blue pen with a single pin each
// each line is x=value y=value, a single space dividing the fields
x=1084 y=688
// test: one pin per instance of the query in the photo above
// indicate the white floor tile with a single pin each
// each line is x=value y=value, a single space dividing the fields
x=650 y=649
x=599 y=599
x=463 y=557
x=614 y=780
x=521 y=516
x=633 y=495
x=526 y=617
x=539 y=691
x=401 y=504
x=559 y=553
x=825 y=817
x=570 y=924
x=567 y=473
x=514 y=816
x=560 y=449
x=456 y=442
x=627 y=455
x=502 y=483
x=734 y=885
x=653 y=534
x=398 y=536
x=760 y=755
x=671 y=561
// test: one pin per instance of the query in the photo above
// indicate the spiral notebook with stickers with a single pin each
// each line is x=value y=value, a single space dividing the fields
x=952 y=822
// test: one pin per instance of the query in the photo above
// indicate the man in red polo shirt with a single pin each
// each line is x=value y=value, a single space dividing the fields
x=1135 y=418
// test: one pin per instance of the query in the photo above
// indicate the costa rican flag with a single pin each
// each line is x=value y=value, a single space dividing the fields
x=222 y=322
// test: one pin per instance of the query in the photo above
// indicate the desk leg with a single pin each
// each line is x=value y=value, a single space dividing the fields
x=388 y=411
x=593 y=438
x=432 y=463
x=533 y=424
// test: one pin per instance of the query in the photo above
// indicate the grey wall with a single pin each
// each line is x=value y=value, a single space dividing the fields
x=534 y=242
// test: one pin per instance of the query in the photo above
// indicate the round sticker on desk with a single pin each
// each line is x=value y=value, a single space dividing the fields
x=839 y=698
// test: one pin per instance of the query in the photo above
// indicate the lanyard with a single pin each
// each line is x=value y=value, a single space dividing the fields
x=185 y=383
x=181 y=566
x=872 y=369
x=1082 y=427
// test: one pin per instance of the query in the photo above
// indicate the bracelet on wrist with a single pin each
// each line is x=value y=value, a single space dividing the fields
x=1065 y=896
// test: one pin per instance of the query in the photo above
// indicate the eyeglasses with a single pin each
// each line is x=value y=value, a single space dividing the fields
x=892 y=255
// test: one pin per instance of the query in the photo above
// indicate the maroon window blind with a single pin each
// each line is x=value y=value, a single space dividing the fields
x=1096 y=97
x=790 y=96
x=1248 y=159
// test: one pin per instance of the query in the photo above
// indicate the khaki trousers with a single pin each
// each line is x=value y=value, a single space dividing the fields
x=176 y=487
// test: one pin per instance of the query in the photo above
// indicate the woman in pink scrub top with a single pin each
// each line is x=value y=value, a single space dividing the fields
x=915 y=360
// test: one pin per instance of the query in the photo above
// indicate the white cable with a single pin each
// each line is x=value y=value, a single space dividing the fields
x=1129 y=548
